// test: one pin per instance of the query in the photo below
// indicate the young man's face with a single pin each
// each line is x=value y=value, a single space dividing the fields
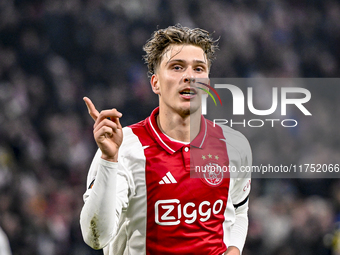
x=173 y=79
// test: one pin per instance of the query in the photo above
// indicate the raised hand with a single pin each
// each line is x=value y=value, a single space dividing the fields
x=107 y=130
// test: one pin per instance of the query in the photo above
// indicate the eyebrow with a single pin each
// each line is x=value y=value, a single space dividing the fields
x=183 y=61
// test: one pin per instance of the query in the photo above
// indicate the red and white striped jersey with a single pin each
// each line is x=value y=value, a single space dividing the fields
x=161 y=197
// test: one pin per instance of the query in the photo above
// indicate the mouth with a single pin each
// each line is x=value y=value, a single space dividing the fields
x=188 y=92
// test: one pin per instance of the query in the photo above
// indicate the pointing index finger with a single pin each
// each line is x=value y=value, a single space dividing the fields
x=91 y=108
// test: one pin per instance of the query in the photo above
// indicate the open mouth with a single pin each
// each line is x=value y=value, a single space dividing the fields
x=188 y=92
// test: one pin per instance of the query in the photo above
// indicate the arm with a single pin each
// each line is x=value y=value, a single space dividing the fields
x=240 y=190
x=4 y=244
x=104 y=201
x=106 y=197
x=239 y=230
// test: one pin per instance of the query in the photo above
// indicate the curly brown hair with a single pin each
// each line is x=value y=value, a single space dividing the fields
x=162 y=38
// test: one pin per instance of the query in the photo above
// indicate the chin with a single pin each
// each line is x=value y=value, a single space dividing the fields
x=186 y=111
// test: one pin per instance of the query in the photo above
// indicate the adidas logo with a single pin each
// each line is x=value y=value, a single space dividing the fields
x=168 y=179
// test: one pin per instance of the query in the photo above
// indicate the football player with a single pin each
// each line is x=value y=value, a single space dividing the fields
x=141 y=197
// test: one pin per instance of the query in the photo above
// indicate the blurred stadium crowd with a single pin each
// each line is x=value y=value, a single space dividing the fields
x=52 y=53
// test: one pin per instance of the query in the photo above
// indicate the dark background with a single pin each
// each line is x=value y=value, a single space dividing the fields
x=52 y=53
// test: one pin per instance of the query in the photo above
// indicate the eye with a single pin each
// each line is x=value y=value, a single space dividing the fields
x=199 y=69
x=177 y=67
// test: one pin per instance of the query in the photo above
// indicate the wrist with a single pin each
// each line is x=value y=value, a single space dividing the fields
x=110 y=159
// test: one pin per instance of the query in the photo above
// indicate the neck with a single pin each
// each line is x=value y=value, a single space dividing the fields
x=178 y=127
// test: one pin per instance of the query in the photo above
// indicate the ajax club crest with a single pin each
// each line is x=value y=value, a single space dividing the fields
x=211 y=169
x=212 y=174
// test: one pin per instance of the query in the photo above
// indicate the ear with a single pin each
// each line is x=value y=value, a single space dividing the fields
x=155 y=84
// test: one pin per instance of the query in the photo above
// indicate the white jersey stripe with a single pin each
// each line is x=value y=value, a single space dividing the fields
x=159 y=136
x=205 y=133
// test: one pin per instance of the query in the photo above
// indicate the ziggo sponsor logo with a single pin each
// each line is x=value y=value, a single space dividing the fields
x=169 y=212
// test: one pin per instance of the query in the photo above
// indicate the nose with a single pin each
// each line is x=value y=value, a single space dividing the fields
x=188 y=79
x=189 y=75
